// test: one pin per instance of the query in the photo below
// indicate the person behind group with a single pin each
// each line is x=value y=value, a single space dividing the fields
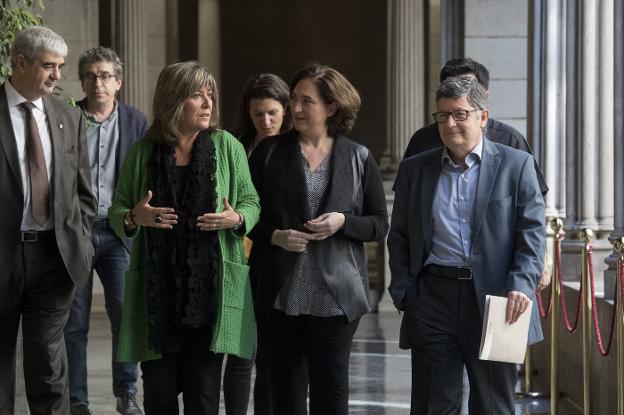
x=45 y=231
x=468 y=221
x=322 y=197
x=263 y=112
x=112 y=127
x=188 y=297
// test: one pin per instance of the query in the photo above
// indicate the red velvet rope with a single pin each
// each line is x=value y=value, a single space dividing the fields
x=601 y=349
x=564 y=309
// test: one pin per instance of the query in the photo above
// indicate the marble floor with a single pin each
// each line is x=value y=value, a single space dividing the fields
x=379 y=371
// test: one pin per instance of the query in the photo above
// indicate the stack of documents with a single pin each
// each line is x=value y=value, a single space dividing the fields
x=500 y=341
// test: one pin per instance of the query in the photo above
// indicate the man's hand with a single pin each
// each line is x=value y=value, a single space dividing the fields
x=545 y=281
x=517 y=303
x=291 y=240
x=325 y=225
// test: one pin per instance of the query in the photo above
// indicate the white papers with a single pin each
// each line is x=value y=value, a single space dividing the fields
x=502 y=342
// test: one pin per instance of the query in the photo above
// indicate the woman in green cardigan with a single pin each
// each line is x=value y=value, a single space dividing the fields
x=185 y=196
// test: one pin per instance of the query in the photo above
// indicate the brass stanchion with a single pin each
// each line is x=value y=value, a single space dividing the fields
x=618 y=245
x=587 y=235
x=556 y=225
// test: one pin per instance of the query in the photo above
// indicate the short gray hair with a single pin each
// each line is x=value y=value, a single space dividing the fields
x=100 y=54
x=460 y=86
x=29 y=42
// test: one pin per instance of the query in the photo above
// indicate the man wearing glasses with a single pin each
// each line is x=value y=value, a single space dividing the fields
x=428 y=137
x=468 y=221
x=112 y=128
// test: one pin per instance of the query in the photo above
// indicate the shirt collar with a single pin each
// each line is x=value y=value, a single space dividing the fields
x=14 y=98
x=111 y=117
x=471 y=158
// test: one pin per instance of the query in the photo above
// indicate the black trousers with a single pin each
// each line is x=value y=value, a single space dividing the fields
x=194 y=371
x=237 y=377
x=445 y=328
x=314 y=351
x=39 y=290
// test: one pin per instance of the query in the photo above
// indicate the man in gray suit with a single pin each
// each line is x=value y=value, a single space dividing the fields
x=45 y=231
x=468 y=221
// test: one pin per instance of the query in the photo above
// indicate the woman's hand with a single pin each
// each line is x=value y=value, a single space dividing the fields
x=227 y=219
x=291 y=240
x=325 y=225
x=157 y=217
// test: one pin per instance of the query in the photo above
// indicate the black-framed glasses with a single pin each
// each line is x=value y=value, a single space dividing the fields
x=92 y=78
x=458 y=115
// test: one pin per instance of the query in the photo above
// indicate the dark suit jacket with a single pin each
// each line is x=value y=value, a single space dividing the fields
x=355 y=189
x=70 y=185
x=508 y=229
x=133 y=125
x=428 y=138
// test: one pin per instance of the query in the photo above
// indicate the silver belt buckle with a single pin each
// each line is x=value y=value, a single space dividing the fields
x=29 y=236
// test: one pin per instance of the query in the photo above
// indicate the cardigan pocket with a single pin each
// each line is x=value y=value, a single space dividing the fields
x=235 y=279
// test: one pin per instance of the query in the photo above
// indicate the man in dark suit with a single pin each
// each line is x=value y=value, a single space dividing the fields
x=112 y=128
x=428 y=137
x=45 y=231
x=468 y=221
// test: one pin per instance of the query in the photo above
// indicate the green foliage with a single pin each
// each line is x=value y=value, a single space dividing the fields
x=15 y=15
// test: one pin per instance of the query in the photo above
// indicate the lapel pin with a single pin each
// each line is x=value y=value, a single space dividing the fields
x=60 y=126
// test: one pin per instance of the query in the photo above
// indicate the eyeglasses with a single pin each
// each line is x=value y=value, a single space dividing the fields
x=458 y=115
x=92 y=78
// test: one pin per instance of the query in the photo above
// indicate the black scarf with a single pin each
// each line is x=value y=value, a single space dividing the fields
x=182 y=286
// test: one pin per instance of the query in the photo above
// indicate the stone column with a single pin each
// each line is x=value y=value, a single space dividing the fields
x=405 y=86
x=209 y=38
x=590 y=157
x=618 y=170
x=547 y=93
x=406 y=77
x=130 y=43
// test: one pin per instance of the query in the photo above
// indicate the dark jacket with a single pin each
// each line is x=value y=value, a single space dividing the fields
x=133 y=125
x=73 y=204
x=355 y=189
x=428 y=138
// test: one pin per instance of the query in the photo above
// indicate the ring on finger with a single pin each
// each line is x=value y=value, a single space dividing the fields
x=158 y=218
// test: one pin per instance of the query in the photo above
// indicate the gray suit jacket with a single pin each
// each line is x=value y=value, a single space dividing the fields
x=508 y=229
x=73 y=202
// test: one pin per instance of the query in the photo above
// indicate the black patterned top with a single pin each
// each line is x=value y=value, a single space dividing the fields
x=306 y=291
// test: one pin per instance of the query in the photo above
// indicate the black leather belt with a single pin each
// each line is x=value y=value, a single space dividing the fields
x=35 y=236
x=454 y=273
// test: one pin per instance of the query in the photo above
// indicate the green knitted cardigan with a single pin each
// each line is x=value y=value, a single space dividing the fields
x=235 y=330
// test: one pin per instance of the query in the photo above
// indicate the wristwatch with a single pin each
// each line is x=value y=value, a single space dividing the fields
x=240 y=222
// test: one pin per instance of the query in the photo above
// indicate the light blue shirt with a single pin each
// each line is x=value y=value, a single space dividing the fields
x=453 y=210
x=102 y=142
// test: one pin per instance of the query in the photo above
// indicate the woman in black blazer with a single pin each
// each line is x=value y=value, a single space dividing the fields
x=322 y=197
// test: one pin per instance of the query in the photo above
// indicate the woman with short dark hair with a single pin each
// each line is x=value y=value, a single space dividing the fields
x=322 y=197
x=185 y=196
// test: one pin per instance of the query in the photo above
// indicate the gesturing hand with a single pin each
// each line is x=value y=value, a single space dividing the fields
x=157 y=217
x=517 y=303
x=227 y=219
x=325 y=225
x=291 y=240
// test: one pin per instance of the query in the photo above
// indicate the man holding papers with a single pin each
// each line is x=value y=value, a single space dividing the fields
x=468 y=221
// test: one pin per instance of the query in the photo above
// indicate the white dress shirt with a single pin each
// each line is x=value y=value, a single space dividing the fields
x=18 y=119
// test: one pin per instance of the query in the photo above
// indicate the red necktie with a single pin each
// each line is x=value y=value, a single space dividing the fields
x=39 y=186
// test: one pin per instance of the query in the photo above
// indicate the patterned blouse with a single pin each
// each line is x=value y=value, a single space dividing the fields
x=306 y=291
